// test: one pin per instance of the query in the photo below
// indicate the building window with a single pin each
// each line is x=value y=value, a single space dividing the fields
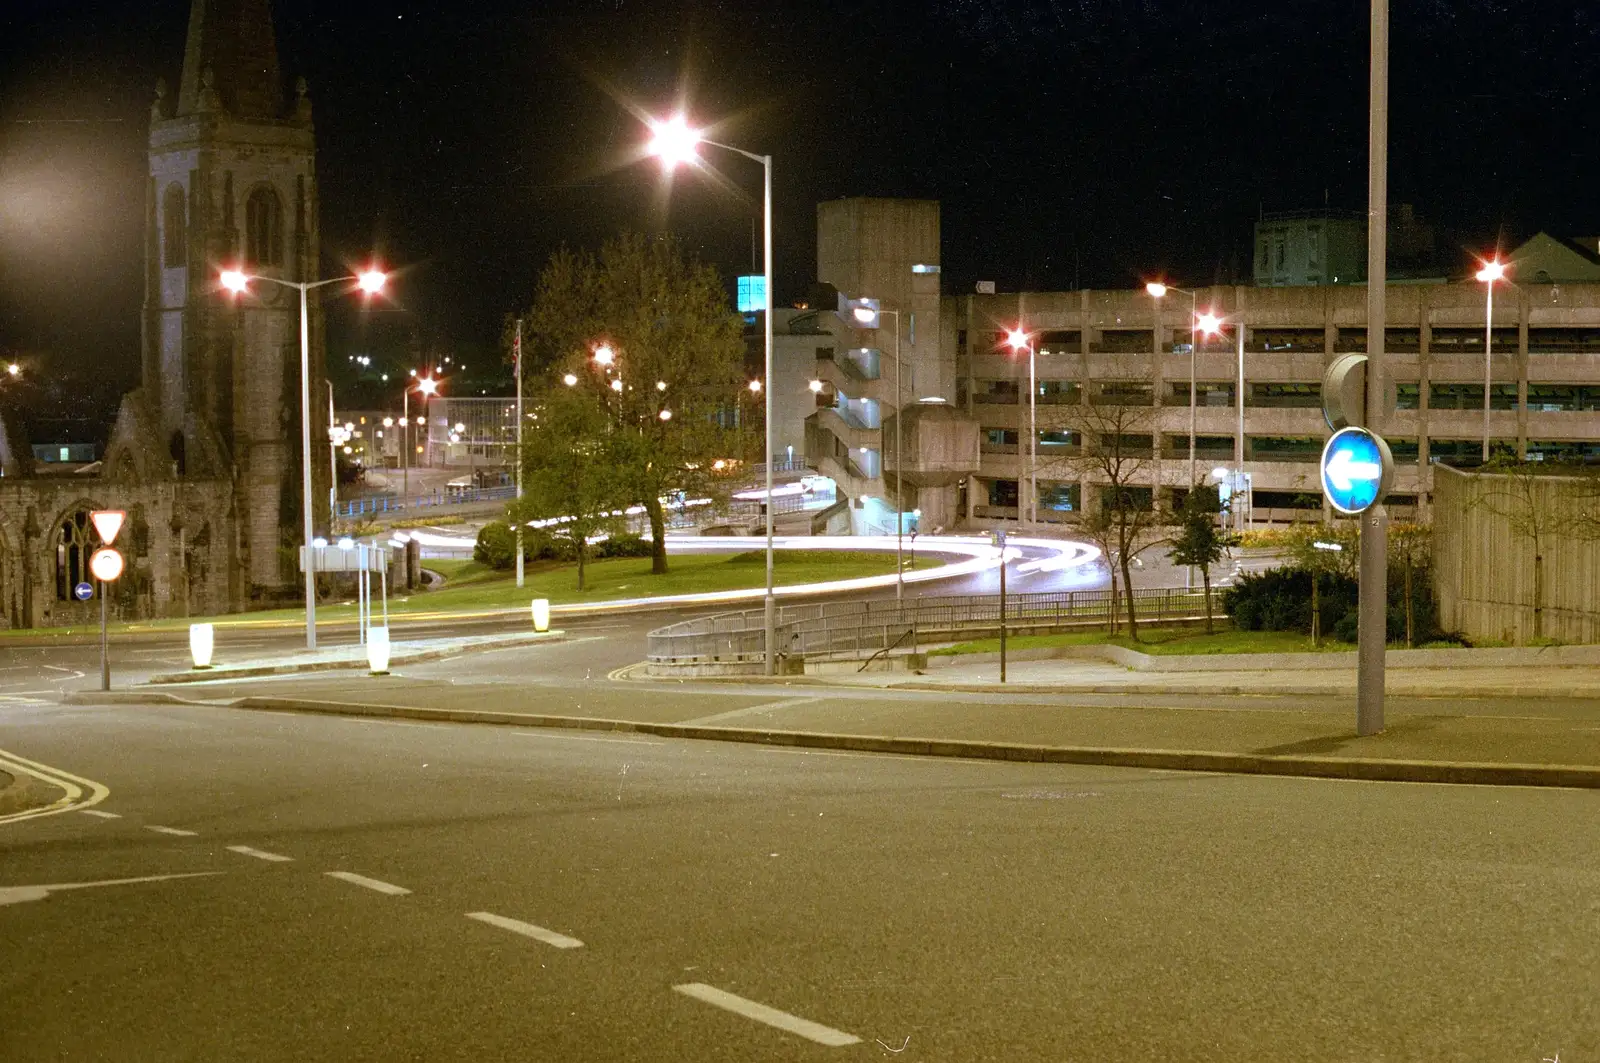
x=1287 y=395
x=1124 y=393
x=263 y=214
x=1058 y=497
x=75 y=543
x=1003 y=493
x=1058 y=393
x=174 y=228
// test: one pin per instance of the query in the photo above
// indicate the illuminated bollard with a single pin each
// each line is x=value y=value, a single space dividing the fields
x=541 y=614
x=201 y=641
x=378 y=650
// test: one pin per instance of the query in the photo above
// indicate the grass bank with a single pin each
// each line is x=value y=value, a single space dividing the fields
x=1163 y=641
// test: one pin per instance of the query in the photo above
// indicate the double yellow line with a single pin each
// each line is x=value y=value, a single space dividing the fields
x=77 y=792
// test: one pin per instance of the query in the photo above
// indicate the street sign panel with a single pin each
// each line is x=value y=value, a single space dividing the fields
x=108 y=522
x=83 y=591
x=1357 y=470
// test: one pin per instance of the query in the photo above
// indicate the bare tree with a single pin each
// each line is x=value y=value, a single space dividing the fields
x=1114 y=453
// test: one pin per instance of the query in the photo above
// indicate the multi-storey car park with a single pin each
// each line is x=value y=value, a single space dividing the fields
x=1121 y=361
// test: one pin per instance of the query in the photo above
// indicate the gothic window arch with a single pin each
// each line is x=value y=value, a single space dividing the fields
x=174 y=228
x=263 y=232
x=76 y=541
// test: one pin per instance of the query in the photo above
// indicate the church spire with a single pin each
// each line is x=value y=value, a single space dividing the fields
x=232 y=41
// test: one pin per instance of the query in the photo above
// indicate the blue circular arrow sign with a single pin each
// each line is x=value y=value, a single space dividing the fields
x=1356 y=470
x=83 y=592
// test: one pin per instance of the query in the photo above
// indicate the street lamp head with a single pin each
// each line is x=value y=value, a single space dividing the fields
x=372 y=281
x=428 y=386
x=388 y=422
x=1156 y=289
x=661 y=385
x=571 y=379
x=864 y=315
x=1208 y=323
x=673 y=142
x=755 y=387
x=616 y=385
x=1219 y=473
x=235 y=281
x=1492 y=271
x=1017 y=339
x=13 y=370
x=665 y=415
x=604 y=355
x=816 y=387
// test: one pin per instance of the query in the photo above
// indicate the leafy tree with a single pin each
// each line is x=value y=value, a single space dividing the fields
x=1411 y=548
x=1200 y=541
x=569 y=476
x=676 y=356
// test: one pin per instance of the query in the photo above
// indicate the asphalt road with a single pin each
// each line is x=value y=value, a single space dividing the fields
x=916 y=909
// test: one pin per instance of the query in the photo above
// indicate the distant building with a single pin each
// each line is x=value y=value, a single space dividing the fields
x=1303 y=248
x=64 y=453
x=1546 y=259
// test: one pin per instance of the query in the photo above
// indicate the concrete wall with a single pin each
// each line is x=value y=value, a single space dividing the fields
x=1484 y=555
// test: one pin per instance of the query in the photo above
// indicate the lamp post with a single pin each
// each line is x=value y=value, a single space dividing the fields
x=517 y=357
x=1492 y=271
x=1017 y=339
x=1158 y=290
x=427 y=386
x=369 y=281
x=675 y=142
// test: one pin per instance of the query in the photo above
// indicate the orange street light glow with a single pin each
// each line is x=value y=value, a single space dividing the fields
x=1016 y=339
x=673 y=142
x=1156 y=289
x=234 y=280
x=1492 y=271
x=372 y=281
x=1208 y=323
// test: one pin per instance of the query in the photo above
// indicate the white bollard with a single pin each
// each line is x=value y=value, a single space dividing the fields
x=201 y=640
x=541 y=614
x=378 y=650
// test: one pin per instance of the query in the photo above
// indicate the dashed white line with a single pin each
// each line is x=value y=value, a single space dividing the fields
x=761 y=709
x=782 y=1020
x=174 y=831
x=370 y=883
x=517 y=926
x=260 y=854
x=99 y=814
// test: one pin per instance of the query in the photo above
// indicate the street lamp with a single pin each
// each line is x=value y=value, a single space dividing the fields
x=1158 y=291
x=604 y=355
x=1018 y=340
x=370 y=281
x=1493 y=270
x=674 y=142
x=427 y=386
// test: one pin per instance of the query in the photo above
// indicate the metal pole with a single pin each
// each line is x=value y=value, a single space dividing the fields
x=1033 y=440
x=518 y=359
x=1194 y=313
x=1373 y=593
x=1488 y=336
x=1002 y=611
x=305 y=468
x=899 y=475
x=769 y=603
x=405 y=443
x=333 y=468
x=1238 y=521
x=105 y=650
x=383 y=585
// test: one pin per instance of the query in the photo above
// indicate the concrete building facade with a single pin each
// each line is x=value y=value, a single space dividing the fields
x=1095 y=350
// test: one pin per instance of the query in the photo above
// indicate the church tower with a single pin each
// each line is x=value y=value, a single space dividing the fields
x=233 y=186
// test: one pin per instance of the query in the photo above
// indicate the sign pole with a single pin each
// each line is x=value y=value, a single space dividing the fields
x=105 y=654
x=1374 y=566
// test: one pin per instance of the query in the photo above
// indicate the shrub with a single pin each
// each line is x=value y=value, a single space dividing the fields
x=496 y=545
x=626 y=545
x=1279 y=599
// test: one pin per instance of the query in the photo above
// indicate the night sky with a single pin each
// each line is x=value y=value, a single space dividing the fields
x=1088 y=143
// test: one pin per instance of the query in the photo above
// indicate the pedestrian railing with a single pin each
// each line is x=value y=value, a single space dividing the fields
x=861 y=628
x=380 y=504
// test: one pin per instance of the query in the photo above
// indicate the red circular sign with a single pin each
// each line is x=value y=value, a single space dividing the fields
x=106 y=565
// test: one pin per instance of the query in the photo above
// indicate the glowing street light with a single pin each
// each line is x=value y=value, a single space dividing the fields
x=1019 y=340
x=755 y=387
x=665 y=415
x=369 y=281
x=675 y=142
x=816 y=387
x=616 y=385
x=1493 y=270
x=604 y=355
x=571 y=380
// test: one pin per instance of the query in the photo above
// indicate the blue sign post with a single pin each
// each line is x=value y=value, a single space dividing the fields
x=1357 y=470
x=83 y=591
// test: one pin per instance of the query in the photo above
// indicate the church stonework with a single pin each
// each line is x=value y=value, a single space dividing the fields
x=205 y=454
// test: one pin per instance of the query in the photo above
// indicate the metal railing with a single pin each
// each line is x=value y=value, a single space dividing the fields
x=854 y=629
x=380 y=504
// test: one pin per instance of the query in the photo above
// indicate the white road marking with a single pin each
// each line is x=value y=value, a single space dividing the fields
x=174 y=831
x=102 y=815
x=20 y=894
x=260 y=854
x=588 y=738
x=782 y=1020
x=371 y=883
x=517 y=926
x=752 y=710
x=72 y=789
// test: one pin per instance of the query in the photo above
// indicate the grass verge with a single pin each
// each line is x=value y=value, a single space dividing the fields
x=1162 y=642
